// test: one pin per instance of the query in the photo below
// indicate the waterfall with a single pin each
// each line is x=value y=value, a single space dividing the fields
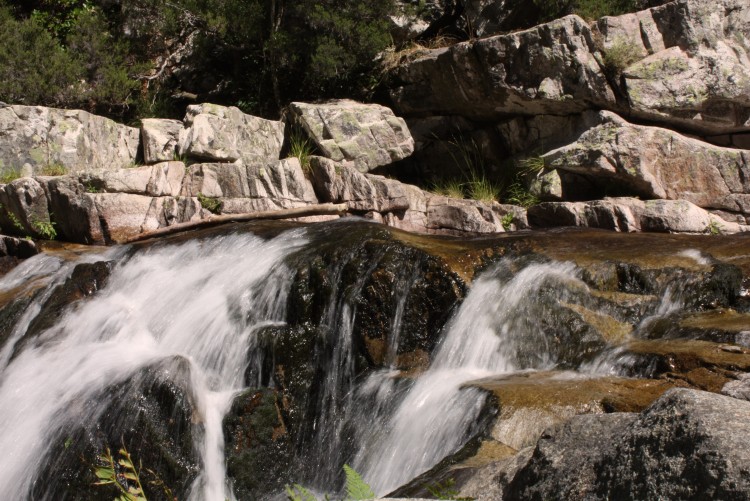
x=218 y=306
x=200 y=301
x=435 y=416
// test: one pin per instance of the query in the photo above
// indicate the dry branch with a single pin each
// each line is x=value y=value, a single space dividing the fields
x=308 y=210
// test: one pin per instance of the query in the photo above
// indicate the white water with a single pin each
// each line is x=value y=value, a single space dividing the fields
x=436 y=413
x=199 y=301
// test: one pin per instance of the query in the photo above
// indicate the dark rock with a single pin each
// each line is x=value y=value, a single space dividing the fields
x=258 y=446
x=686 y=434
x=563 y=463
x=151 y=415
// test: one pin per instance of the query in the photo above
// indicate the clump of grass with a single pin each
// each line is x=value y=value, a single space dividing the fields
x=530 y=166
x=9 y=175
x=452 y=188
x=621 y=54
x=211 y=204
x=54 y=170
x=301 y=147
x=468 y=156
x=91 y=188
x=518 y=194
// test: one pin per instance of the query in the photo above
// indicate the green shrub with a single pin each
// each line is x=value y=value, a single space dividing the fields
x=211 y=204
x=45 y=228
x=621 y=54
x=53 y=170
x=9 y=175
x=34 y=67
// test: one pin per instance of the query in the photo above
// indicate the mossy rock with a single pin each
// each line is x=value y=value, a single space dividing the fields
x=258 y=445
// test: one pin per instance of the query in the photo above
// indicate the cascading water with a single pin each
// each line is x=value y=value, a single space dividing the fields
x=435 y=416
x=211 y=304
x=200 y=301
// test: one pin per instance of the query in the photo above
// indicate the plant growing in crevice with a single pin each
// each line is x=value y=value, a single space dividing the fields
x=54 y=170
x=356 y=489
x=301 y=147
x=469 y=158
x=211 y=204
x=621 y=54
x=713 y=227
x=507 y=221
x=452 y=188
x=45 y=228
x=9 y=175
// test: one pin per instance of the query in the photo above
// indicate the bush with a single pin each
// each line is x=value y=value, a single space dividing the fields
x=34 y=67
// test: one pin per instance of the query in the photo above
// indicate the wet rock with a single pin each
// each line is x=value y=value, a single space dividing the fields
x=258 y=446
x=225 y=134
x=160 y=139
x=564 y=459
x=20 y=248
x=151 y=415
x=530 y=403
x=684 y=433
x=35 y=137
x=652 y=162
x=368 y=135
x=548 y=69
x=24 y=210
x=85 y=280
x=163 y=179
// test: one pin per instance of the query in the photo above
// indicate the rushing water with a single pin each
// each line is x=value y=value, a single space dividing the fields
x=205 y=301
x=436 y=415
x=199 y=300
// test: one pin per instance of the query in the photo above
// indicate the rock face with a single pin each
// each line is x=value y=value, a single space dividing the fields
x=23 y=208
x=368 y=135
x=163 y=179
x=548 y=69
x=221 y=134
x=685 y=433
x=241 y=188
x=696 y=70
x=34 y=137
x=160 y=139
x=630 y=214
x=652 y=162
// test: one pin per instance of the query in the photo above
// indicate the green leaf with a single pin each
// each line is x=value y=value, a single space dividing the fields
x=299 y=493
x=356 y=487
x=104 y=473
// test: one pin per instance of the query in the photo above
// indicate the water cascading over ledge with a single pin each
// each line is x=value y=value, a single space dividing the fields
x=235 y=363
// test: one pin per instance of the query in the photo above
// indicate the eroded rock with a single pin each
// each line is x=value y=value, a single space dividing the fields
x=34 y=137
x=548 y=69
x=160 y=139
x=225 y=134
x=368 y=135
